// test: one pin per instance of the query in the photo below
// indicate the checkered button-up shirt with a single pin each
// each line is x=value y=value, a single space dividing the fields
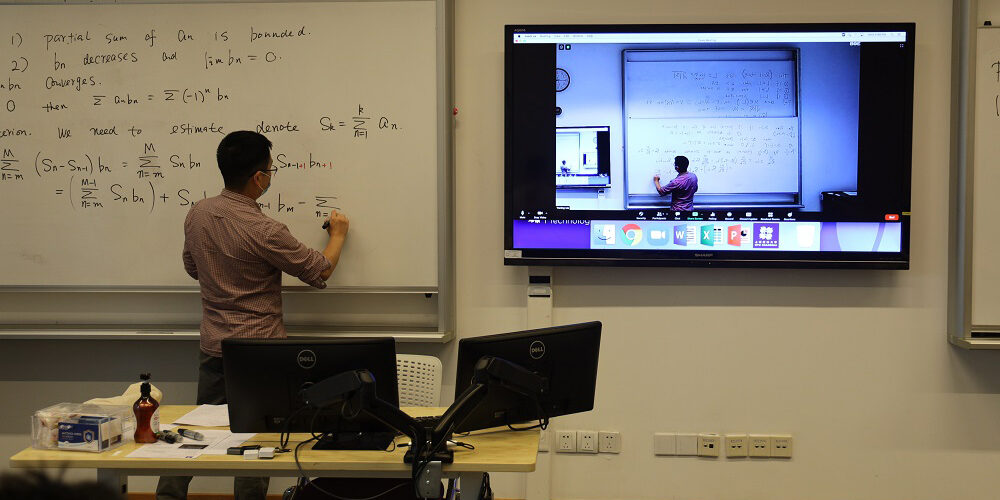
x=237 y=254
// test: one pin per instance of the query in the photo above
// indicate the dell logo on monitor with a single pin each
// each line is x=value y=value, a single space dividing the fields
x=537 y=349
x=306 y=359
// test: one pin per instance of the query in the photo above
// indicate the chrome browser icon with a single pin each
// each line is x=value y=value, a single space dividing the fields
x=632 y=234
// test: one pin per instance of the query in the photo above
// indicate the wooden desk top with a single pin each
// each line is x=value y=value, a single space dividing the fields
x=496 y=451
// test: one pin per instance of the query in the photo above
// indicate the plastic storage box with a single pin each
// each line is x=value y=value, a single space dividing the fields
x=71 y=426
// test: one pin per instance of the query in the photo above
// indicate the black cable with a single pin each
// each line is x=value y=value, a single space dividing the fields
x=543 y=420
x=304 y=477
x=542 y=424
x=456 y=443
x=463 y=445
x=286 y=435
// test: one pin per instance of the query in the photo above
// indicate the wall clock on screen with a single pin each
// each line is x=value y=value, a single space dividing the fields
x=562 y=79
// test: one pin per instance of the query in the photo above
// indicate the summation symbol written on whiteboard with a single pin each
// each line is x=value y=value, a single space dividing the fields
x=359 y=124
x=8 y=167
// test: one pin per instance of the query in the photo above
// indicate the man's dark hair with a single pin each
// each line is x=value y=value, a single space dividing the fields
x=681 y=162
x=242 y=154
x=35 y=485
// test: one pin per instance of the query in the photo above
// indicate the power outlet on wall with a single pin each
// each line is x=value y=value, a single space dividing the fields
x=586 y=441
x=609 y=442
x=566 y=441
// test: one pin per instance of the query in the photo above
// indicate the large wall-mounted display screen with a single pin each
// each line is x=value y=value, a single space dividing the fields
x=757 y=145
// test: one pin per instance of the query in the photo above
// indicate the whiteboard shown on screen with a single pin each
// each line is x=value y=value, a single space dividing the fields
x=110 y=116
x=732 y=113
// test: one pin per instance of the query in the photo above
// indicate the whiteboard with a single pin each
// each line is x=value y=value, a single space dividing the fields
x=985 y=275
x=698 y=88
x=732 y=113
x=110 y=116
x=729 y=155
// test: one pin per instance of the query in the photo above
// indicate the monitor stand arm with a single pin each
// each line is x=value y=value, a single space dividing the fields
x=357 y=388
x=429 y=446
x=488 y=372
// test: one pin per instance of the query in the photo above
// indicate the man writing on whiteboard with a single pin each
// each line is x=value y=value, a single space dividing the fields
x=238 y=254
x=682 y=188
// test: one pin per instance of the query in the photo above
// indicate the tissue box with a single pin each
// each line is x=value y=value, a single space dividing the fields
x=70 y=426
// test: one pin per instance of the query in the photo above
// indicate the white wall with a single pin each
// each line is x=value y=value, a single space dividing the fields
x=855 y=364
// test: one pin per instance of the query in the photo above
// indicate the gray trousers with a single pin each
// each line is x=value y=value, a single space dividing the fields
x=212 y=391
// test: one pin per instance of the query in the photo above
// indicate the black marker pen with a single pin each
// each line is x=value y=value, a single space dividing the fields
x=197 y=436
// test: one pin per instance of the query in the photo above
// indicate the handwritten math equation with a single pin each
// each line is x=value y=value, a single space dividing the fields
x=85 y=181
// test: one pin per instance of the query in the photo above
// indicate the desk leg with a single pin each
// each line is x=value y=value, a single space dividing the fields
x=471 y=485
x=114 y=479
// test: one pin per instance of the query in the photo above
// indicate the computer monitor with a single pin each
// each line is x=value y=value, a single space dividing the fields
x=264 y=378
x=565 y=355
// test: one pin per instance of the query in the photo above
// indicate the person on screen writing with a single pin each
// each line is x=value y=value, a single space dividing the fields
x=681 y=188
x=238 y=255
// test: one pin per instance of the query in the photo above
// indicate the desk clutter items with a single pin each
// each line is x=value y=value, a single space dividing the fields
x=147 y=413
x=169 y=437
x=82 y=427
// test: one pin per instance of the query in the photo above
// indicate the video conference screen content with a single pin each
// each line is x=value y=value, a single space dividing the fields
x=756 y=145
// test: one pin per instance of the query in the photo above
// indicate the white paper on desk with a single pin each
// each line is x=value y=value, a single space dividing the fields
x=183 y=449
x=222 y=446
x=206 y=416
x=162 y=449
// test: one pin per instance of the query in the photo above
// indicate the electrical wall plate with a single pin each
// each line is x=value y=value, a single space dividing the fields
x=687 y=444
x=586 y=441
x=566 y=441
x=664 y=443
x=709 y=445
x=609 y=442
x=760 y=445
x=736 y=445
x=781 y=446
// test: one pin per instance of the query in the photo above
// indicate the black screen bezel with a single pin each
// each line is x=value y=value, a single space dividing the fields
x=514 y=89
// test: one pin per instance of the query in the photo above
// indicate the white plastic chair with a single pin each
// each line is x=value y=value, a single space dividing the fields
x=419 y=380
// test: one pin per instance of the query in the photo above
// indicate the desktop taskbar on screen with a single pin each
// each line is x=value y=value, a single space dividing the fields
x=736 y=235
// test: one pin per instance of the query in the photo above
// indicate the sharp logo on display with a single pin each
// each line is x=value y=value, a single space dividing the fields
x=306 y=359
x=536 y=349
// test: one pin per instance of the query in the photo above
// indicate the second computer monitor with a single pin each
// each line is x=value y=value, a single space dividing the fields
x=565 y=355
